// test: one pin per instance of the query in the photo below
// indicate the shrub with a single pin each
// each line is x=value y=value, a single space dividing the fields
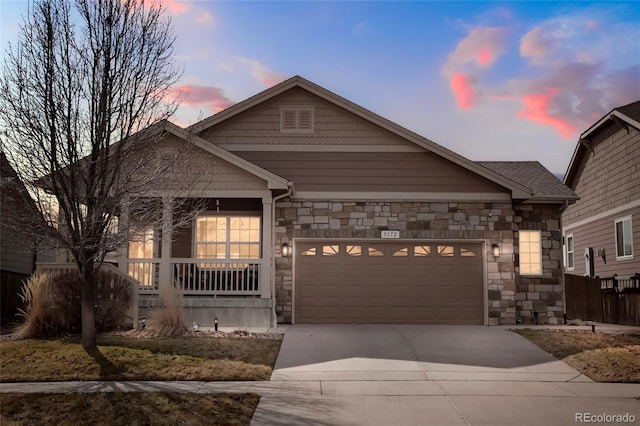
x=53 y=303
x=168 y=319
x=40 y=319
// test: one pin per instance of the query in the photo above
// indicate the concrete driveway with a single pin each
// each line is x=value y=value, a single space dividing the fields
x=421 y=375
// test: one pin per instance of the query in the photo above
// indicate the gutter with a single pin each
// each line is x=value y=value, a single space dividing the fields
x=289 y=193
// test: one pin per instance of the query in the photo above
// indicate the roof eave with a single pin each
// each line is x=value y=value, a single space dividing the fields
x=273 y=181
x=517 y=190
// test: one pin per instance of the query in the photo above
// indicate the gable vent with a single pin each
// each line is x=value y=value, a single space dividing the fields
x=294 y=119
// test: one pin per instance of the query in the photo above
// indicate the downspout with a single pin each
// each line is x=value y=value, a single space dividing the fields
x=289 y=193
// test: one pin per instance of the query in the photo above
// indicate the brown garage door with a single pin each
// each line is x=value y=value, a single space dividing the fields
x=388 y=282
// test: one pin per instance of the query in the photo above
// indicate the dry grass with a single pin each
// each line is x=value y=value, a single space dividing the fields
x=129 y=358
x=168 y=320
x=127 y=409
x=38 y=320
x=602 y=357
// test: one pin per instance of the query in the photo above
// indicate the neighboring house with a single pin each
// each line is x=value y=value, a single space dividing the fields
x=605 y=172
x=17 y=245
x=320 y=211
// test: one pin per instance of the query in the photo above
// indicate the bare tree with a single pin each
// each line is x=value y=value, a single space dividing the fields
x=78 y=88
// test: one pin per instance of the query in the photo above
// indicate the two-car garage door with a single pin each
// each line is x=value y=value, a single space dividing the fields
x=388 y=282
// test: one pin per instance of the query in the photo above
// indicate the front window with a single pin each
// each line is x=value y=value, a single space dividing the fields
x=570 y=252
x=624 y=238
x=530 y=252
x=142 y=251
x=228 y=237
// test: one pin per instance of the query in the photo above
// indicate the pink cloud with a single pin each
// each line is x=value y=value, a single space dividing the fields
x=481 y=48
x=261 y=72
x=210 y=97
x=537 y=107
x=174 y=6
x=535 y=47
x=463 y=90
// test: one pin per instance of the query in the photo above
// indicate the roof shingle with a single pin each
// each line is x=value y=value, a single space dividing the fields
x=533 y=175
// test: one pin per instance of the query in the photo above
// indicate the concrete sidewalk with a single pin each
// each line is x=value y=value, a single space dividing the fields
x=408 y=375
x=393 y=402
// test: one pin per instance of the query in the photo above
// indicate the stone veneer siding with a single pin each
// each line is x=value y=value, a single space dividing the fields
x=511 y=298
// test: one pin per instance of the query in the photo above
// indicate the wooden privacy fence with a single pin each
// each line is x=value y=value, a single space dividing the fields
x=612 y=300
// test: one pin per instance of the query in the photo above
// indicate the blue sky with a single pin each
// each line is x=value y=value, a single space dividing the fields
x=488 y=80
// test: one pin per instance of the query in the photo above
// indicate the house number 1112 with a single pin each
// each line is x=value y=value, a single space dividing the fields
x=389 y=234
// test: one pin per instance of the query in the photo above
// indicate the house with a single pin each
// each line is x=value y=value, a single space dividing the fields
x=17 y=245
x=602 y=229
x=320 y=211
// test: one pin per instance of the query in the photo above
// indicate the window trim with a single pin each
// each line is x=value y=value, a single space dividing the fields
x=615 y=234
x=530 y=274
x=227 y=243
x=573 y=252
x=297 y=111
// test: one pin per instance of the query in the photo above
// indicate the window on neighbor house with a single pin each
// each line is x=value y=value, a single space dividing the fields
x=228 y=237
x=624 y=238
x=297 y=120
x=570 y=252
x=530 y=252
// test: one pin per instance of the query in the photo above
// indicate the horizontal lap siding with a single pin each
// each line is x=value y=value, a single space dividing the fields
x=601 y=233
x=370 y=172
x=197 y=169
x=610 y=178
x=333 y=125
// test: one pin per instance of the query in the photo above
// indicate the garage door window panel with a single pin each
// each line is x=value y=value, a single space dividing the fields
x=376 y=251
x=330 y=250
x=446 y=251
x=353 y=250
x=422 y=250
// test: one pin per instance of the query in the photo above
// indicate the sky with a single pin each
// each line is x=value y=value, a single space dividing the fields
x=502 y=81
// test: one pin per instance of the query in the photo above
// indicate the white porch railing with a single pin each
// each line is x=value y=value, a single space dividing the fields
x=204 y=277
x=217 y=276
x=146 y=272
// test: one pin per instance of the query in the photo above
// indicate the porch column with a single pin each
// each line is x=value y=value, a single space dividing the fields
x=123 y=257
x=164 y=270
x=267 y=249
x=123 y=230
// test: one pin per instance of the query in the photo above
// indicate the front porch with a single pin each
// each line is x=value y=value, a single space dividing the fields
x=221 y=261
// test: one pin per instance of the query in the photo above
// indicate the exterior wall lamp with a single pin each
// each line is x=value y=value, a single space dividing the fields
x=495 y=248
x=286 y=250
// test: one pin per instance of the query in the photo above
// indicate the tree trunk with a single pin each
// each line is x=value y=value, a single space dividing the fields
x=87 y=308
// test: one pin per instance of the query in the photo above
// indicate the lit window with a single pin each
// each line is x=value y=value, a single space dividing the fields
x=421 y=250
x=228 y=237
x=309 y=252
x=465 y=252
x=141 y=245
x=331 y=250
x=141 y=252
x=375 y=252
x=570 y=252
x=624 y=238
x=401 y=252
x=354 y=250
x=446 y=251
x=297 y=119
x=530 y=252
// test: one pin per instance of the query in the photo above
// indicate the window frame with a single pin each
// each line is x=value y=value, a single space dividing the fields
x=520 y=252
x=570 y=266
x=297 y=111
x=622 y=220
x=227 y=241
